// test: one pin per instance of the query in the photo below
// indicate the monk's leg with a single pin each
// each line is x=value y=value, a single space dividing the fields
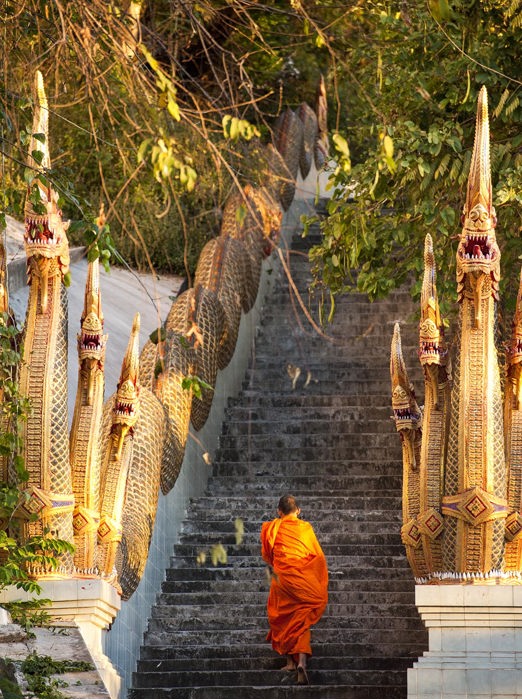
x=290 y=664
x=302 y=646
x=301 y=650
x=302 y=676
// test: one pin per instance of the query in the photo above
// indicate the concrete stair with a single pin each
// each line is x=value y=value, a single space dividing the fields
x=328 y=439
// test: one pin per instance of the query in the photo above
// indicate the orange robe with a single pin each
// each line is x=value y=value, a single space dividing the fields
x=299 y=589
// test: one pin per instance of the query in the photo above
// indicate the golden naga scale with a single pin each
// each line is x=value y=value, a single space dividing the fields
x=462 y=454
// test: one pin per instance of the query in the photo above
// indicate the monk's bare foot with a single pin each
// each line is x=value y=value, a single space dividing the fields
x=290 y=665
x=302 y=677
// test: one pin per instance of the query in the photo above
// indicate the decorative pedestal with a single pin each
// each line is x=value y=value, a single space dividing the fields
x=89 y=604
x=475 y=642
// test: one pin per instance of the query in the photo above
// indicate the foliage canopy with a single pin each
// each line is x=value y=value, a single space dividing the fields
x=145 y=100
x=153 y=105
x=412 y=89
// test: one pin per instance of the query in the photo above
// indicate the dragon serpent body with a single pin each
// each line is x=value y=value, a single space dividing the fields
x=462 y=459
x=99 y=485
x=84 y=441
x=135 y=443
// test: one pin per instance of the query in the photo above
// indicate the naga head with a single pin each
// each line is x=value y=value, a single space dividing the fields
x=432 y=348
x=406 y=413
x=45 y=237
x=478 y=254
x=125 y=411
x=91 y=340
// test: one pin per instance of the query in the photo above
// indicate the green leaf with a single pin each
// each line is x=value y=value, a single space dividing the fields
x=341 y=144
x=388 y=146
x=226 y=125
x=142 y=150
x=173 y=109
x=37 y=156
x=93 y=254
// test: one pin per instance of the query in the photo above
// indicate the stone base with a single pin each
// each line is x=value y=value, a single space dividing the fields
x=475 y=642
x=89 y=604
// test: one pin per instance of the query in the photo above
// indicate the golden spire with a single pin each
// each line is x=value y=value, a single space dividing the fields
x=479 y=191
x=45 y=237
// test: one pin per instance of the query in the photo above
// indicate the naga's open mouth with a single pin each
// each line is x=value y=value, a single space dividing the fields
x=91 y=342
x=430 y=348
x=477 y=247
x=124 y=409
x=39 y=234
x=406 y=415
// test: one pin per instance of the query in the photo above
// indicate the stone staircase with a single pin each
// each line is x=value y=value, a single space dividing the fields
x=325 y=437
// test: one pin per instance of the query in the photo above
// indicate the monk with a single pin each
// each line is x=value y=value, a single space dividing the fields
x=299 y=584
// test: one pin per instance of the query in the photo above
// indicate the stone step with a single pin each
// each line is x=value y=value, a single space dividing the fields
x=371 y=416
x=375 y=515
x=361 y=691
x=347 y=311
x=338 y=467
x=301 y=490
x=326 y=387
x=259 y=597
x=350 y=587
x=330 y=537
x=364 y=633
x=400 y=572
x=401 y=306
x=384 y=648
x=371 y=563
x=350 y=325
x=338 y=424
x=254 y=398
x=265 y=503
x=368 y=452
x=241 y=615
x=266 y=678
x=359 y=528
x=273 y=662
x=352 y=484
x=359 y=347
x=282 y=439
x=359 y=549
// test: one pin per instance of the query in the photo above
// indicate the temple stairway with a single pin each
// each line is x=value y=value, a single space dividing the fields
x=321 y=430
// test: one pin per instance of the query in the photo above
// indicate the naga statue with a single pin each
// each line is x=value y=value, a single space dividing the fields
x=43 y=373
x=462 y=460
x=97 y=487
